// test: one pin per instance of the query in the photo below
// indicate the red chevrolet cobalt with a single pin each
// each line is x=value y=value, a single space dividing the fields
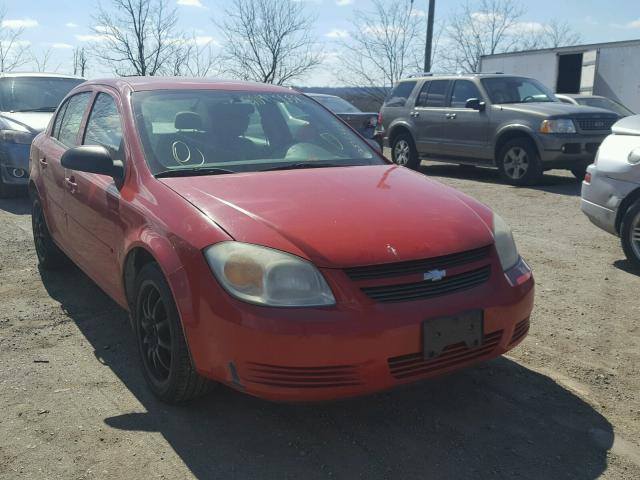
x=258 y=241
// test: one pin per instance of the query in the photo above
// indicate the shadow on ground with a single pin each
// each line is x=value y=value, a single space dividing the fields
x=626 y=266
x=499 y=420
x=17 y=206
x=551 y=182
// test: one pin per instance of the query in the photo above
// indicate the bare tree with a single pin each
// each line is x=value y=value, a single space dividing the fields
x=137 y=36
x=560 y=34
x=482 y=28
x=42 y=61
x=194 y=58
x=80 y=61
x=267 y=41
x=14 y=53
x=385 y=43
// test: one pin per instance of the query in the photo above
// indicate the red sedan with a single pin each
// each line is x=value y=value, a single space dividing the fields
x=258 y=241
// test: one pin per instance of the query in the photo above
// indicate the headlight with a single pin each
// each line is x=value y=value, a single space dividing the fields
x=266 y=276
x=634 y=156
x=559 y=125
x=15 y=136
x=505 y=245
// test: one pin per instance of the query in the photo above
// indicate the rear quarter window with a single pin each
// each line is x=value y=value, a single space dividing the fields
x=399 y=95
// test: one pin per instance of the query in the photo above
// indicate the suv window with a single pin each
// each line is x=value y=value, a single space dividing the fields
x=399 y=95
x=70 y=124
x=104 y=127
x=463 y=90
x=433 y=94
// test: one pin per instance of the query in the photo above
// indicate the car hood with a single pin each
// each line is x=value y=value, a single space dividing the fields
x=557 y=109
x=33 y=121
x=627 y=126
x=339 y=217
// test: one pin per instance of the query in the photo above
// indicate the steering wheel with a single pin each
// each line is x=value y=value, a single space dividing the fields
x=528 y=98
x=183 y=154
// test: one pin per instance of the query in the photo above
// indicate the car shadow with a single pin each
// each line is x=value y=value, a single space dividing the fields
x=626 y=266
x=498 y=420
x=17 y=205
x=551 y=183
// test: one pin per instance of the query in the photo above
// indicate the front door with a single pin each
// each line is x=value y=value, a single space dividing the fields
x=429 y=117
x=92 y=204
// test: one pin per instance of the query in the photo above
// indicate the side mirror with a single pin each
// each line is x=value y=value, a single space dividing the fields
x=475 y=104
x=375 y=143
x=92 y=159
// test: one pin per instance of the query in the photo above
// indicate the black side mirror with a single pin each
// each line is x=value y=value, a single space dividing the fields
x=92 y=159
x=475 y=104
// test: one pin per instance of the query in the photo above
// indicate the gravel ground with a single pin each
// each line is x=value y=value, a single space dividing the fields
x=564 y=404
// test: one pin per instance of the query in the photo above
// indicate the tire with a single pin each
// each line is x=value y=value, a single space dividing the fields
x=519 y=162
x=630 y=234
x=404 y=153
x=50 y=257
x=163 y=350
x=579 y=171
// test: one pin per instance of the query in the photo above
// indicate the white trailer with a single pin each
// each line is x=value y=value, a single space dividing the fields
x=608 y=69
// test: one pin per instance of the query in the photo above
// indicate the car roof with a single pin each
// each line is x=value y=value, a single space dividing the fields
x=37 y=74
x=454 y=76
x=138 y=84
x=325 y=95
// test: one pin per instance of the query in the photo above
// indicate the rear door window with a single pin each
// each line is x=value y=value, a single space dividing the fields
x=433 y=94
x=69 y=127
x=399 y=95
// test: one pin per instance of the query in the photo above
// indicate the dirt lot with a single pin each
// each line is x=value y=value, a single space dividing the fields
x=565 y=404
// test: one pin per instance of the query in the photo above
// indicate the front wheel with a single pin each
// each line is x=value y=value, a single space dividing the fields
x=50 y=257
x=519 y=162
x=630 y=234
x=166 y=363
x=404 y=153
x=579 y=171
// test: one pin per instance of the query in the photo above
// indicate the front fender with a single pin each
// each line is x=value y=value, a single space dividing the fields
x=517 y=127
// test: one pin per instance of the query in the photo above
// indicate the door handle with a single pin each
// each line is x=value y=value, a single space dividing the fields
x=71 y=184
x=414 y=114
x=43 y=162
x=450 y=116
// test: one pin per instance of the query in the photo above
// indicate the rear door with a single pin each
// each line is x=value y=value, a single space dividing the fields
x=466 y=132
x=93 y=204
x=429 y=116
x=64 y=134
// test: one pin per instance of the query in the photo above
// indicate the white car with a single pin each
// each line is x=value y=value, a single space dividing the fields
x=611 y=187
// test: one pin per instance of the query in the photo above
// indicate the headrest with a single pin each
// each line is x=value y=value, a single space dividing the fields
x=188 y=121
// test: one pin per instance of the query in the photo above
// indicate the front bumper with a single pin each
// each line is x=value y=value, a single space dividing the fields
x=567 y=151
x=354 y=348
x=14 y=164
x=601 y=198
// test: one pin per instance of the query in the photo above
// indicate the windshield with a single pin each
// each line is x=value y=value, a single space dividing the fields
x=336 y=104
x=34 y=93
x=516 y=90
x=607 y=104
x=233 y=131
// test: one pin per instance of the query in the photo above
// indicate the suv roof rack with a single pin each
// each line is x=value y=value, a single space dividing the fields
x=420 y=74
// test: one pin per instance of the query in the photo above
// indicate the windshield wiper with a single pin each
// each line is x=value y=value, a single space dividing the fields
x=300 y=165
x=192 y=172
x=39 y=109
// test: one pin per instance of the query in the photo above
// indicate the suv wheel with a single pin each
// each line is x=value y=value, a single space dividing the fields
x=630 y=234
x=404 y=153
x=519 y=163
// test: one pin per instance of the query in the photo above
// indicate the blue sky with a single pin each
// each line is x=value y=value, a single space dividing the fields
x=63 y=24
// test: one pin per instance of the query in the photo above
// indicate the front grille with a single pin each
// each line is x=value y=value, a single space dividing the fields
x=415 y=365
x=428 y=289
x=303 y=377
x=417 y=266
x=601 y=124
x=521 y=330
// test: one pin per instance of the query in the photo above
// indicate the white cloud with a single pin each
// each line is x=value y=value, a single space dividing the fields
x=418 y=13
x=64 y=46
x=91 y=38
x=101 y=29
x=632 y=24
x=20 y=23
x=527 y=27
x=337 y=33
x=202 y=40
x=191 y=3
x=342 y=3
x=71 y=25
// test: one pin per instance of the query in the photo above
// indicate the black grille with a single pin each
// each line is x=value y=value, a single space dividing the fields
x=417 y=266
x=596 y=123
x=428 y=289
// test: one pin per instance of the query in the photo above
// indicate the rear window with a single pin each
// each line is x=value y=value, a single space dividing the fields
x=433 y=94
x=399 y=95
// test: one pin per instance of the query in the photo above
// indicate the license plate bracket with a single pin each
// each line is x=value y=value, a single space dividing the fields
x=439 y=333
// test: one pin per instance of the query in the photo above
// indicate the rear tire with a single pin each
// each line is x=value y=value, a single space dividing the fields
x=630 y=234
x=404 y=153
x=50 y=257
x=163 y=350
x=519 y=162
